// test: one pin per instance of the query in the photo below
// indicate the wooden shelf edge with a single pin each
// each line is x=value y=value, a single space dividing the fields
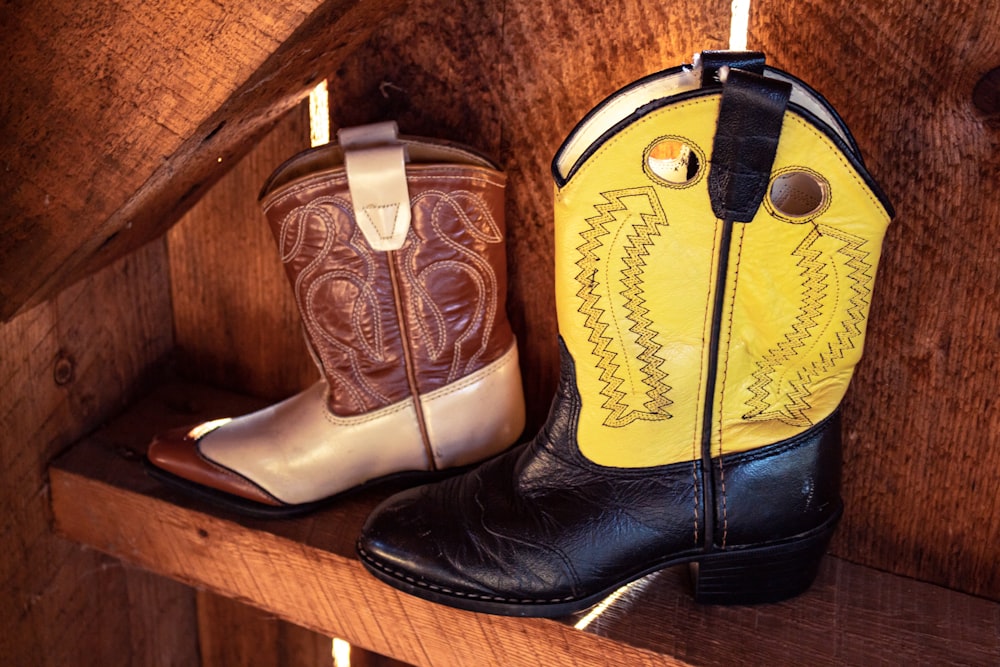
x=311 y=587
x=304 y=571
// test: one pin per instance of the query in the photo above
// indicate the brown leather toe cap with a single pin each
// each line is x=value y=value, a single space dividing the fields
x=176 y=451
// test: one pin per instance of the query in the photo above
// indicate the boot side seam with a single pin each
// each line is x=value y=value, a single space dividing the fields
x=697 y=476
x=722 y=389
x=408 y=363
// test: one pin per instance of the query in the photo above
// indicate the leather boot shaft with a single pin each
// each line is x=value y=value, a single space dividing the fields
x=387 y=325
x=638 y=254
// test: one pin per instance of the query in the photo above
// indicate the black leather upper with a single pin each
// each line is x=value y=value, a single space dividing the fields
x=541 y=524
x=782 y=489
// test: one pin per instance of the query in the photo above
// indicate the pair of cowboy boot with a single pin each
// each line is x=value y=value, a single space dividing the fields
x=717 y=237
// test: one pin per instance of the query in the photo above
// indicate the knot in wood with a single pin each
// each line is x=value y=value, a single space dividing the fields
x=986 y=94
x=64 y=369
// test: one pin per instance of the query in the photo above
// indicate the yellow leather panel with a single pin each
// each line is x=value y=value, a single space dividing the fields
x=634 y=266
x=635 y=272
x=795 y=324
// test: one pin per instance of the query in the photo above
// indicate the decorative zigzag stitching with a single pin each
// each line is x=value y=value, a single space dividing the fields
x=635 y=303
x=814 y=294
x=858 y=304
x=636 y=250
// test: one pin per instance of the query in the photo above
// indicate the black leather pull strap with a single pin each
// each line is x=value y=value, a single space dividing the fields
x=713 y=61
x=746 y=139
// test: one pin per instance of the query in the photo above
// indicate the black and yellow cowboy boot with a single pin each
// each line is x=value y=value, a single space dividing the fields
x=717 y=236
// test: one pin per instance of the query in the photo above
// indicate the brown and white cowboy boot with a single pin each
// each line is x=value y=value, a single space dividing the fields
x=717 y=236
x=394 y=247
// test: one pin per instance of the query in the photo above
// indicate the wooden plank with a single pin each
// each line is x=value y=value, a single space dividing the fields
x=923 y=417
x=225 y=273
x=304 y=570
x=232 y=633
x=119 y=114
x=65 y=367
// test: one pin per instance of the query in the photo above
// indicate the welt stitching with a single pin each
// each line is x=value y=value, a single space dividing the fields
x=443 y=589
x=469 y=380
x=370 y=416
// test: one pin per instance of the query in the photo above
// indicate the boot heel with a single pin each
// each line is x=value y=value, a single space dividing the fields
x=762 y=574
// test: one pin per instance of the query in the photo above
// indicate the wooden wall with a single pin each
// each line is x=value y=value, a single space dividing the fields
x=922 y=427
x=65 y=366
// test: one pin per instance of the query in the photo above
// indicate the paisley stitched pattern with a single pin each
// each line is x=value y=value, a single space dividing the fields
x=341 y=267
x=345 y=294
x=476 y=224
x=608 y=316
x=831 y=262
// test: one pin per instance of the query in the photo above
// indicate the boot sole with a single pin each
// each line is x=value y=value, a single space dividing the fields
x=755 y=574
x=257 y=510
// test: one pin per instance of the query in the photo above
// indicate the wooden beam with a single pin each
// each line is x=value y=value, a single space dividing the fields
x=119 y=115
x=304 y=570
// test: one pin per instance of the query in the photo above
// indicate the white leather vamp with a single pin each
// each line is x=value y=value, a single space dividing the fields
x=299 y=452
x=477 y=416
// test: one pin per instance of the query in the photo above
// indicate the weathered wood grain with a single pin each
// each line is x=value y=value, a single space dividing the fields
x=66 y=366
x=305 y=571
x=118 y=115
x=922 y=420
x=236 y=324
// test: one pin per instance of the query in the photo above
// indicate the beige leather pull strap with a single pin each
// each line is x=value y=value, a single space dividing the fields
x=375 y=162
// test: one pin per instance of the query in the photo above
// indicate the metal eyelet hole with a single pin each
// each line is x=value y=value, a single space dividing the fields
x=673 y=161
x=799 y=194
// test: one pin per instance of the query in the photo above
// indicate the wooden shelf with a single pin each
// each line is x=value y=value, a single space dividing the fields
x=304 y=570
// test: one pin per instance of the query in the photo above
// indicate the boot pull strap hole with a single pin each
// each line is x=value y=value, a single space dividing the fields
x=673 y=161
x=799 y=194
